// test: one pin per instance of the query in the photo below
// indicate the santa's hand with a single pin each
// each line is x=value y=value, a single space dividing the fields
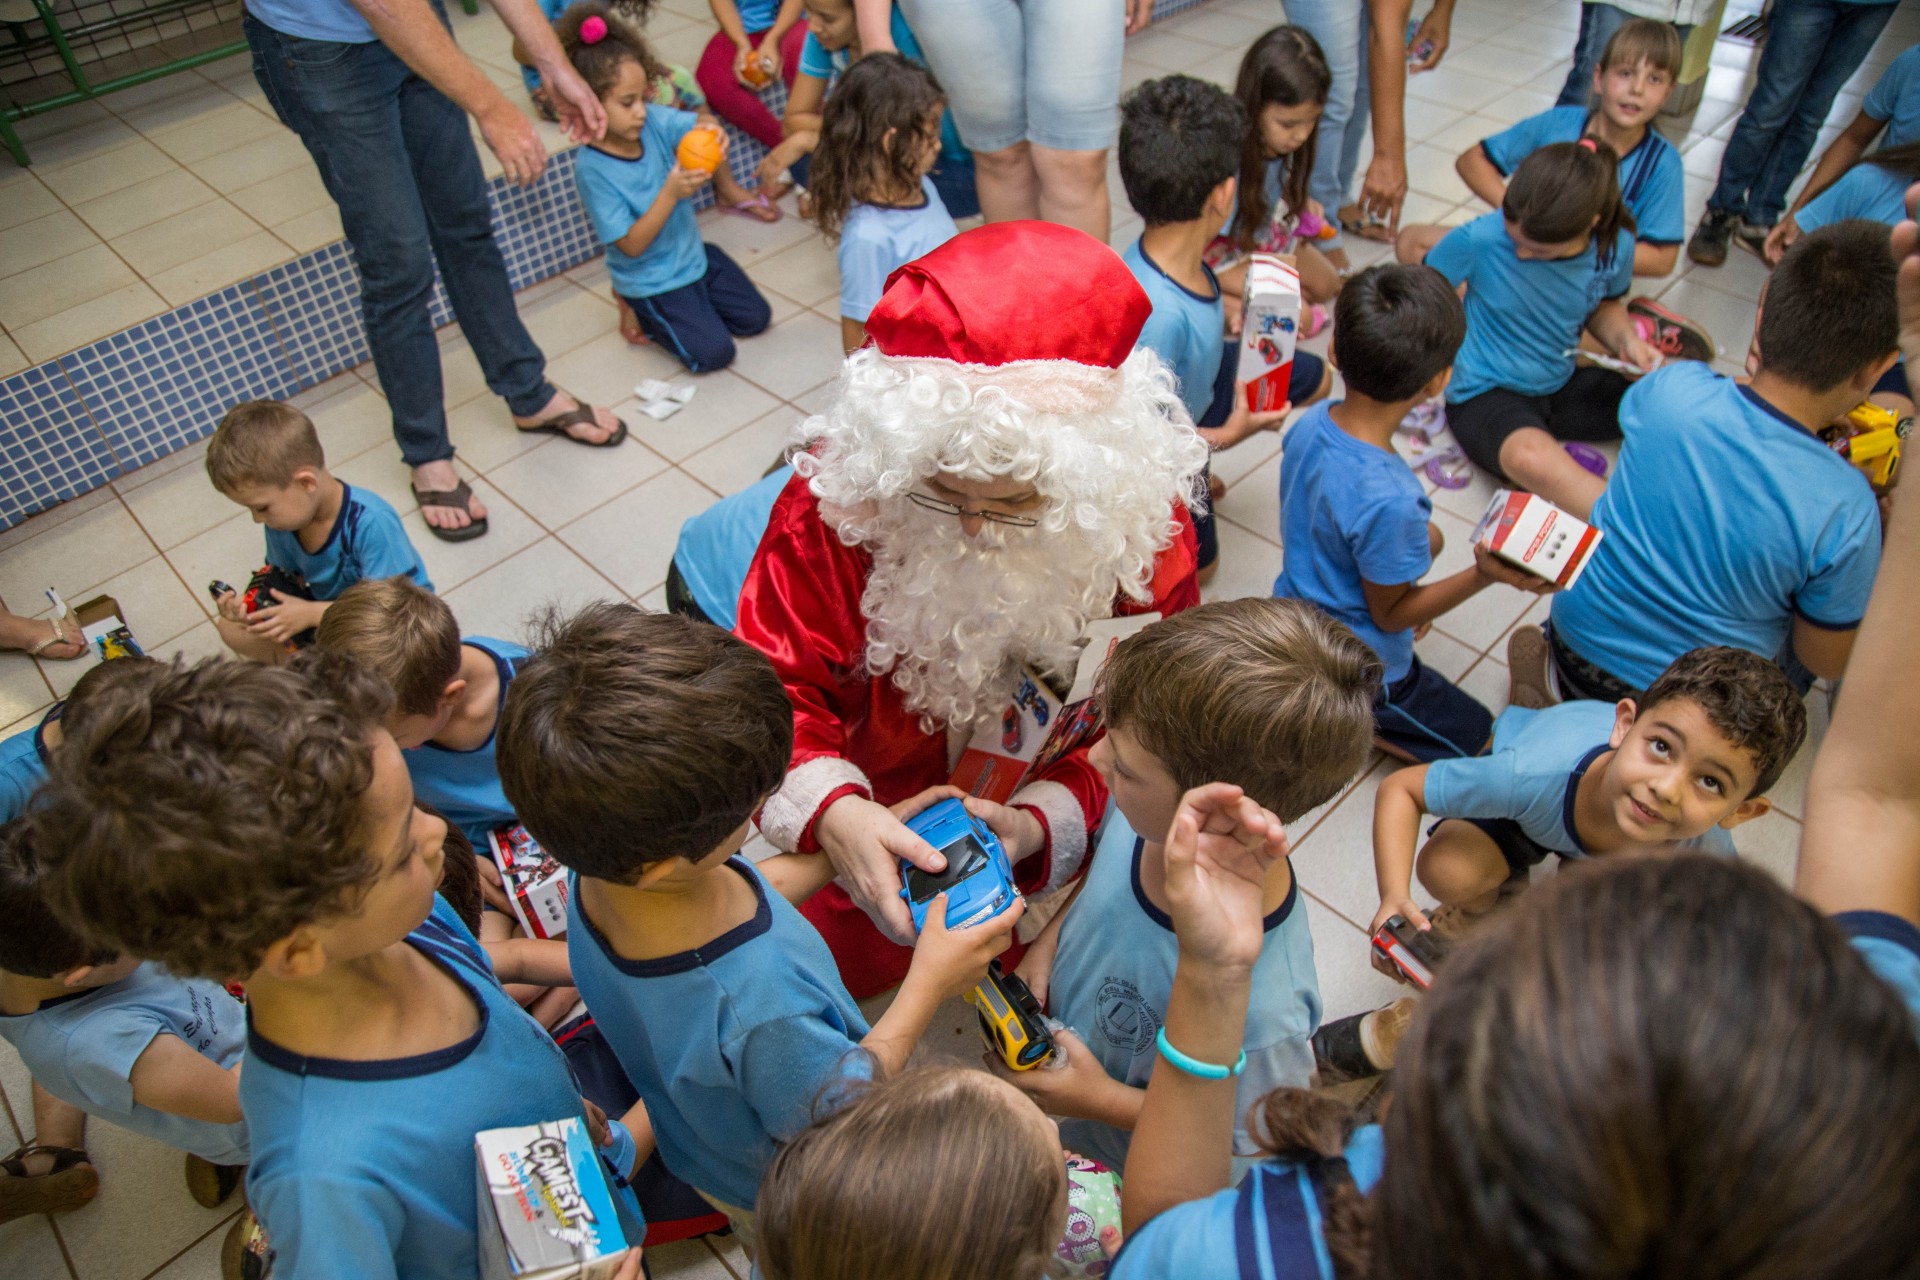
x=866 y=844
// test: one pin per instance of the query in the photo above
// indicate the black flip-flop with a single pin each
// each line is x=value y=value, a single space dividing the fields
x=458 y=498
x=581 y=415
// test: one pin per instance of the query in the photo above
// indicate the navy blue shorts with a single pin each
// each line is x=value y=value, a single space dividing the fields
x=699 y=322
x=1894 y=380
x=1430 y=718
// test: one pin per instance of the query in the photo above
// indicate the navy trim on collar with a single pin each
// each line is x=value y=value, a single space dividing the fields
x=504 y=668
x=1165 y=921
x=1879 y=924
x=1573 y=785
x=54 y=712
x=419 y=1064
x=1761 y=404
x=1197 y=297
x=698 y=957
x=339 y=523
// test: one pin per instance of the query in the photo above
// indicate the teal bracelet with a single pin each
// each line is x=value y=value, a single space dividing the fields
x=1195 y=1067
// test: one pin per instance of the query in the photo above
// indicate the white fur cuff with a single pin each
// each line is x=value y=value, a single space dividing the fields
x=1066 y=829
x=788 y=811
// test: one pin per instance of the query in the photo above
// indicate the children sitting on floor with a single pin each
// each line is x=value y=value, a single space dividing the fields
x=716 y=548
x=1553 y=261
x=1271 y=696
x=1727 y=520
x=636 y=747
x=1355 y=521
x=323 y=535
x=239 y=822
x=758 y=41
x=684 y=294
x=879 y=139
x=1180 y=142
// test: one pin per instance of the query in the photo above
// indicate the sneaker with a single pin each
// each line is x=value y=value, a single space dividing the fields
x=210 y=1184
x=1709 y=244
x=1752 y=237
x=1382 y=1031
x=1529 y=674
x=1363 y=1044
x=1669 y=332
x=1451 y=924
x=68 y=1184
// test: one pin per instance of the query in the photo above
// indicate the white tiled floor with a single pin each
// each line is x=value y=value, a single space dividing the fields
x=570 y=525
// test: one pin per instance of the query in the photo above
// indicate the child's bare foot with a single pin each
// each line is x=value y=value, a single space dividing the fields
x=629 y=323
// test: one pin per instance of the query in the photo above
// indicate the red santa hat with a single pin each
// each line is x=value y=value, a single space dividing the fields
x=1044 y=312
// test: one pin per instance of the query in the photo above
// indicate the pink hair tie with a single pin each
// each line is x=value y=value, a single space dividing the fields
x=593 y=30
x=1588 y=143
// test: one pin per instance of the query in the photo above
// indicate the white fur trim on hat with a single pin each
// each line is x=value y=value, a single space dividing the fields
x=1044 y=386
x=1066 y=829
x=790 y=810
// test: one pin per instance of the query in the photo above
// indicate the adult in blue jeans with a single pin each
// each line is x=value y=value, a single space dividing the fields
x=1813 y=46
x=380 y=94
x=1366 y=49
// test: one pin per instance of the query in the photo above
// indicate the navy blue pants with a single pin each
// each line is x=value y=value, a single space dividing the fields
x=699 y=322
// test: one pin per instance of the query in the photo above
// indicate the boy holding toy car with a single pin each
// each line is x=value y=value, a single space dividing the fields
x=1272 y=696
x=720 y=1000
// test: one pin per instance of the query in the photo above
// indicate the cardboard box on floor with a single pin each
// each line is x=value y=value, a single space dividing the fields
x=105 y=628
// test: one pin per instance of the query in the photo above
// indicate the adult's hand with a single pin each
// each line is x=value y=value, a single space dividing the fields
x=1139 y=14
x=866 y=843
x=581 y=112
x=511 y=136
x=1385 y=189
x=1435 y=29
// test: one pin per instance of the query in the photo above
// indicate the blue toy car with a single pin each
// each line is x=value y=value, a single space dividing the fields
x=978 y=880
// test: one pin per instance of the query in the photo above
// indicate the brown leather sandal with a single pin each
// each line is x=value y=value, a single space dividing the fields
x=581 y=415
x=67 y=1186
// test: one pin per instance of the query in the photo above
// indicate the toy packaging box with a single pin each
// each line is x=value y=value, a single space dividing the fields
x=1525 y=529
x=546 y=1211
x=536 y=884
x=1038 y=726
x=105 y=628
x=1268 y=332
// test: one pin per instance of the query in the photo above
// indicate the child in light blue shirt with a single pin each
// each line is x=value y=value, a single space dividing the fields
x=1673 y=771
x=323 y=535
x=23 y=763
x=1895 y=100
x=1297 y=690
x=716 y=549
x=879 y=139
x=720 y=1000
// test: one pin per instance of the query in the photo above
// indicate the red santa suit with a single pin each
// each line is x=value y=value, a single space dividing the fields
x=854 y=733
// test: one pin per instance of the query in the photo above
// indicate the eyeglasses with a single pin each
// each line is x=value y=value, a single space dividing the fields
x=955 y=509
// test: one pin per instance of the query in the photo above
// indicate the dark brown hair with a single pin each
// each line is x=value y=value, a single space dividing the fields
x=401 y=632
x=854 y=158
x=1654 y=1069
x=1286 y=67
x=198 y=817
x=262 y=442
x=1560 y=190
x=1271 y=695
x=459 y=873
x=934 y=1174
x=1648 y=41
x=1312 y=1129
x=1902 y=161
x=599 y=63
x=632 y=737
x=1746 y=697
x=1828 y=310
x=34 y=943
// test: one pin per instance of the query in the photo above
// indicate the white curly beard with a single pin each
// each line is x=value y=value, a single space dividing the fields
x=952 y=618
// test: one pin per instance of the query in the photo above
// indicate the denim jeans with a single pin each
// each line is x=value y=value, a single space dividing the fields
x=1598 y=22
x=1341 y=27
x=1813 y=46
x=396 y=156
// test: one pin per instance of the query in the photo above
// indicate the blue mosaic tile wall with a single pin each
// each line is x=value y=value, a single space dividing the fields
x=75 y=423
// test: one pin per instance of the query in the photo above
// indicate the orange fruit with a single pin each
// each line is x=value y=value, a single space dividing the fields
x=699 y=151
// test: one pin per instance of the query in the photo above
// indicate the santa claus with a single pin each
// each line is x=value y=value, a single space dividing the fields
x=998 y=468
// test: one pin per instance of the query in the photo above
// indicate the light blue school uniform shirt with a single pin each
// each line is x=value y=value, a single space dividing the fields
x=1273 y=183
x=1724 y=521
x=1652 y=181
x=878 y=239
x=1891 y=947
x=716 y=547
x=616 y=191
x=1184 y=328
x=1269 y=1227
x=366 y=1169
x=551 y=11
x=1895 y=98
x=1350 y=512
x=1531 y=774
x=822 y=63
x=757 y=15
x=367 y=541
x=1522 y=316
x=81 y=1048
x=23 y=765
x=314 y=19
x=1113 y=973
x=465 y=785
x=730 y=1044
x=1864 y=191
